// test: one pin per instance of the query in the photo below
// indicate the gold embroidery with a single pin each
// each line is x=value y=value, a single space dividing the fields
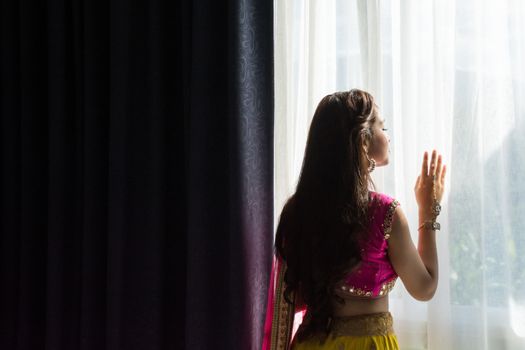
x=358 y=292
x=363 y=325
x=387 y=286
x=377 y=324
x=282 y=321
x=387 y=224
x=354 y=291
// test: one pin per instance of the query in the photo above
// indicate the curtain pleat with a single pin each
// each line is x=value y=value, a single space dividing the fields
x=136 y=184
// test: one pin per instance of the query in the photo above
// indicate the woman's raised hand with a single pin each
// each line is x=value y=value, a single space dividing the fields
x=430 y=184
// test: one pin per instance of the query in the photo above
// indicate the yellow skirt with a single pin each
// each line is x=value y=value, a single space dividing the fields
x=363 y=332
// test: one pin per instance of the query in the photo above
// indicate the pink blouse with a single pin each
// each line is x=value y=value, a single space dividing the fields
x=374 y=276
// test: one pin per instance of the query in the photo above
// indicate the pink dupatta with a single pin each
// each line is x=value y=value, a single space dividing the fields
x=279 y=326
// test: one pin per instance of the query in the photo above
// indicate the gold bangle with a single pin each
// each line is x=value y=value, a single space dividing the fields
x=432 y=225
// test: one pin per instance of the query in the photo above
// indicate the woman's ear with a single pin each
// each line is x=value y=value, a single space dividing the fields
x=365 y=149
x=365 y=143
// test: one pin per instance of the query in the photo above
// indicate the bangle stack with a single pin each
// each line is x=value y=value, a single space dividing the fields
x=430 y=225
x=436 y=209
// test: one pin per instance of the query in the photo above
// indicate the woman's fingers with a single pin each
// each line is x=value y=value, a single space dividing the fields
x=433 y=163
x=436 y=167
x=439 y=167
x=443 y=173
x=424 y=165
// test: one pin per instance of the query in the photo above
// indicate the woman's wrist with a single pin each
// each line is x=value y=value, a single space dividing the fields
x=429 y=225
x=428 y=217
x=425 y=214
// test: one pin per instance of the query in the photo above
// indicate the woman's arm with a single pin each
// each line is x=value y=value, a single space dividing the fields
x=418 y=268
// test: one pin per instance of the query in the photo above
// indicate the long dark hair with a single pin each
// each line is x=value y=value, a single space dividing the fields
x=321 y=222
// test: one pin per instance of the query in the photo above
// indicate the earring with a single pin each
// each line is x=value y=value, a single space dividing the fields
x=372 y=165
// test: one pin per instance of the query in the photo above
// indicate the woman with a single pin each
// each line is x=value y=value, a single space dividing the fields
x=341 y=246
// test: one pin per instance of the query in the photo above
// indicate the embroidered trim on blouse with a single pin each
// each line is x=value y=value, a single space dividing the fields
x=356 y=291
x=387 y=225
x=386 y=287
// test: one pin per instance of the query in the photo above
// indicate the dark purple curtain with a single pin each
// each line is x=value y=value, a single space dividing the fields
x=136 y=182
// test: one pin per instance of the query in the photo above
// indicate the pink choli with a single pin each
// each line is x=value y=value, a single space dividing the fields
x=374 y=276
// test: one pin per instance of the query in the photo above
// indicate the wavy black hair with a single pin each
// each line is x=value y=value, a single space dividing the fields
x=321 y=222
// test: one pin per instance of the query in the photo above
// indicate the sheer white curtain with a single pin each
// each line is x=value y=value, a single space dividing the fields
x=447 y=75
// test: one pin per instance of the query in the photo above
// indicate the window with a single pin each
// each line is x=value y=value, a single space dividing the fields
x=450 y=75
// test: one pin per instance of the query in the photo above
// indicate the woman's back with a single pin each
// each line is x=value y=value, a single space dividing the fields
x=365 y=288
